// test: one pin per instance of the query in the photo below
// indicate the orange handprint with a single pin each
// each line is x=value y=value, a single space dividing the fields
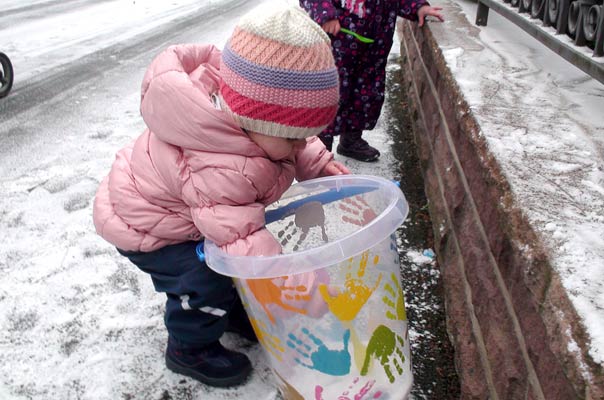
x=359 y=211
x=271 y=343
x=395 y=300
x=303 y=293
x=346 y=304
x=266 y=291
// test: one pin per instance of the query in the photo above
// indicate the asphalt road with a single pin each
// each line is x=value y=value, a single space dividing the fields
x=38 y=104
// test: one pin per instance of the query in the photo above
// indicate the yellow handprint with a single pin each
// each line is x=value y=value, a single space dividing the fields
x=345 y=305
x=269 y=342
x=398 y=304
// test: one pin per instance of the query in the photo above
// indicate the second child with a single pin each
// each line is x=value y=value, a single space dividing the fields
x=362 y=66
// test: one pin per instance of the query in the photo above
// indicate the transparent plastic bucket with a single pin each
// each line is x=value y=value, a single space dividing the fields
x=329 y=312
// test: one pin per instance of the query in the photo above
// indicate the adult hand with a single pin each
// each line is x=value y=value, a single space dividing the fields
x=332 y=27
x=335 y=168
x=426 y=10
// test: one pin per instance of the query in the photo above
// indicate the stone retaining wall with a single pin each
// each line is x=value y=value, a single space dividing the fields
x=509 y=317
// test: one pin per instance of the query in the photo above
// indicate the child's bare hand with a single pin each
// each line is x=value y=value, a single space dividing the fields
x=427 y=10
x=335 y=168
x=332 y=27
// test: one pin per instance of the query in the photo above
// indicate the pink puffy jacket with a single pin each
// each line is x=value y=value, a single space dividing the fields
x=194 y=173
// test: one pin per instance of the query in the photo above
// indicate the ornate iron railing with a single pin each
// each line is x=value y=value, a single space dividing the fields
x=572 y=28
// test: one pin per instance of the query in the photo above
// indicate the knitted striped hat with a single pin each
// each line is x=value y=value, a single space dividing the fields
x=278 y=73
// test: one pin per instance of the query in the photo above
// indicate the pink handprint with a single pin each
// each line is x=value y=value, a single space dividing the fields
x=346 y=395
x=359 y=211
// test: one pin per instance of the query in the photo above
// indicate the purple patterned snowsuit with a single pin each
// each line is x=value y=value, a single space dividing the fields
x=362 y=67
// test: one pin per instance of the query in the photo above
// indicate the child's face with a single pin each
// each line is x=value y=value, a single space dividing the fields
x=275 y=147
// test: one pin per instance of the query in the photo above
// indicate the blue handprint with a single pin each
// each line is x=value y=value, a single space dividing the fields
x=331 y=362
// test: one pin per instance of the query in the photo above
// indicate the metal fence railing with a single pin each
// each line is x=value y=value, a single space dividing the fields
x=572 y=28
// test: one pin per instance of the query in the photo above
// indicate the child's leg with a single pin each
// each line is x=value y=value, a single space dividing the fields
x=344 y=60
x=196 y=316
x=371 y=81
x=351 y=117
x=344 y=54
x=364 y=76
x=199 y=299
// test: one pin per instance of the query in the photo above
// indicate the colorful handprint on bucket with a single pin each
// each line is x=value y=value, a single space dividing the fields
x=364 y=390
x=307 y=216
x=386 y=347
x=345 y=304
x=394 y=299
x=358 y=212
x=269 y=342
x=304 y=294
x=274 y=291
x=314 y=354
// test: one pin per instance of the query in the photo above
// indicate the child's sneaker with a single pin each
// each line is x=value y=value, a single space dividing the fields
x=359 y=150
x=211 y=364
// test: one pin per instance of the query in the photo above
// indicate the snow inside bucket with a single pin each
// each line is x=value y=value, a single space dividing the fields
x=329 y=312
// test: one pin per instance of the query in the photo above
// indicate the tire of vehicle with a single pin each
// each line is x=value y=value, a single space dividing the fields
x=6 y=75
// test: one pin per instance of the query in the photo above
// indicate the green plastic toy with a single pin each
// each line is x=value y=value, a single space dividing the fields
x=360 y=38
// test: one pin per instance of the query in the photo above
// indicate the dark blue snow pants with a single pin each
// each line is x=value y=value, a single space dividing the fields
x=199 y=299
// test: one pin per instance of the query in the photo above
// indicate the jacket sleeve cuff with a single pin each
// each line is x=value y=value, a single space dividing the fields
x=320 y=11
x=311 y=161
x=409 y=8
x=259 y=243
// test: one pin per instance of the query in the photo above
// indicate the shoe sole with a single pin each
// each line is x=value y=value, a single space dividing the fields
x=345 y=154
x=216 y=382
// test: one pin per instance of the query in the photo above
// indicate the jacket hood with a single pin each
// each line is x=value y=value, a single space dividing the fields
x=177 y=105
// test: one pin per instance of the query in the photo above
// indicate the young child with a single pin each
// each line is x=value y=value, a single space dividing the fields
x=227 y=134
x=362 y=66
